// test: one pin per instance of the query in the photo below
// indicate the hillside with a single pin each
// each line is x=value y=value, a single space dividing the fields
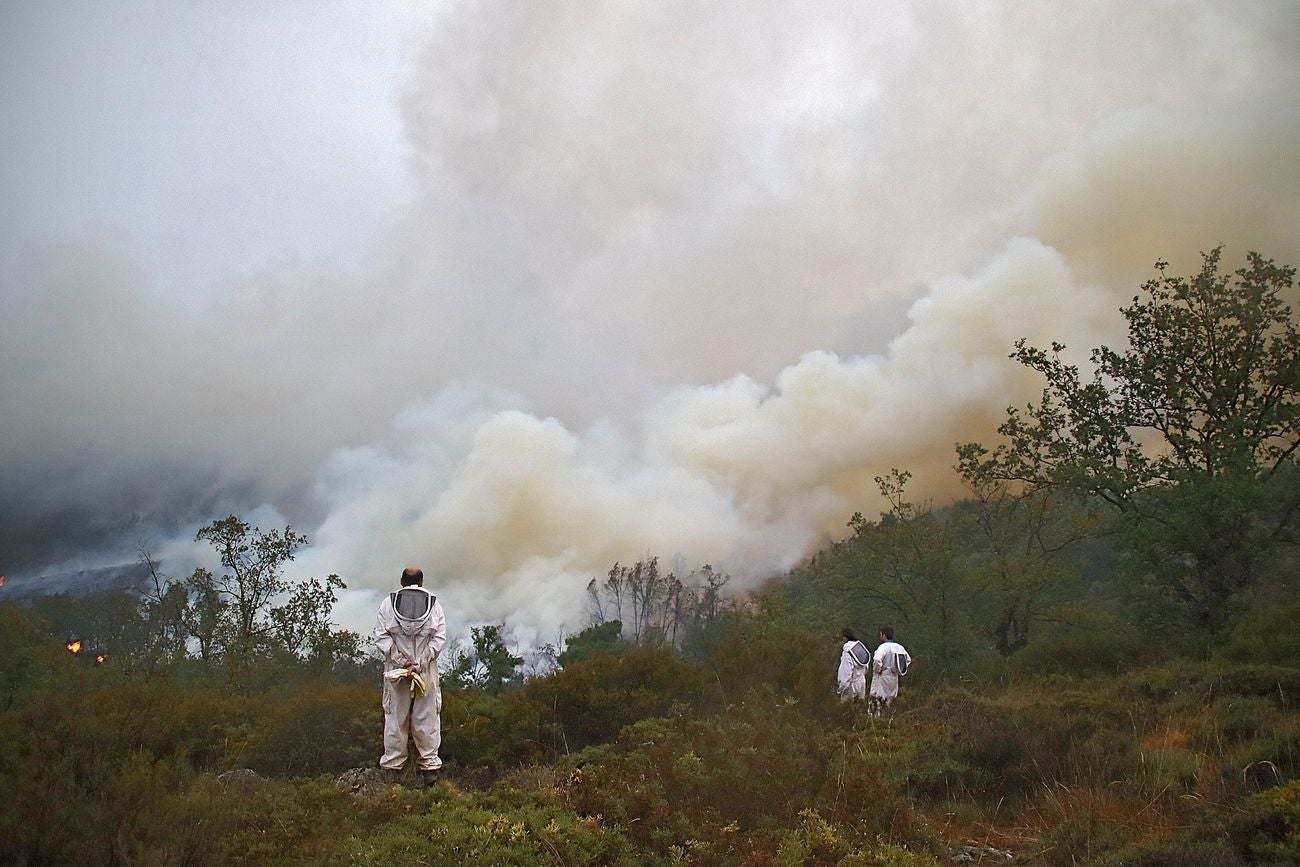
x=735 y=755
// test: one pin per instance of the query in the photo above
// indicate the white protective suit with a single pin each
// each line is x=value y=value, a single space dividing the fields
x=884 y=678
x=411 y=628
x=852 y=677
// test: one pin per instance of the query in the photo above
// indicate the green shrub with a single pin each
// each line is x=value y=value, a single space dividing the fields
x=1106 y=648
x=1170 y=770
x=318 y=728
x=667 y=781
x=814 y=841
x=1269 y=832
x=1269 y=759
x=1267 y=636
x=1279 y=684
x=967 y=745
x=1208 y=855
x=475 y=731
x=457 y=831
x=32 y=657
x=1233 y=720
x=590 y=701
x=745 y=653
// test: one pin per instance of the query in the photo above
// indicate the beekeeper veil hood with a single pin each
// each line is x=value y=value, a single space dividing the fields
x=412 y=603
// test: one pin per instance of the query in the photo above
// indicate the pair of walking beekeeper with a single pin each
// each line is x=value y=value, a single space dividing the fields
x=889 y=663
x=410 y=632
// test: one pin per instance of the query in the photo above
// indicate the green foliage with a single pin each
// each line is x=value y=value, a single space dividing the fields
x=916 y=573
x=108 y=623
x=741 y=757
x=1024 y=545
x=1268 y=758
x=32 y=659
x=318 y=728
x=461 y=830
x=765 y=650
x=814 y=841
x=1191 y=432
x=590 y=701
x=488 y=666
x=600 y=638
x=1013 y=746
x=1085 y=643
x=250 y=609
x=724 y=788
x=1266 y=636
x=1269 y=832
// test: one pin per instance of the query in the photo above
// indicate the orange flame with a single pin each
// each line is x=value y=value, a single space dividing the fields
x=99 y=660
x=74 y=647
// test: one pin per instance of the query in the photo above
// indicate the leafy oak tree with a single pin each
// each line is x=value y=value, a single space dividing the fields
x=252 y=608
x=1191 y=432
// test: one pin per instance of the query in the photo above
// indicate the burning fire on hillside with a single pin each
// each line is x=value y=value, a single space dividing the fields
x=74 y=647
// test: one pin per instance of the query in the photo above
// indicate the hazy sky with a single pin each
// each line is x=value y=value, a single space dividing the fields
x=514 y=290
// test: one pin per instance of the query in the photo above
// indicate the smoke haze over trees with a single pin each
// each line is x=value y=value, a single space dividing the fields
x=518 y=294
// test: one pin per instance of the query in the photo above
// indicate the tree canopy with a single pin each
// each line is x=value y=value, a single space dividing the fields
x=1191 y=430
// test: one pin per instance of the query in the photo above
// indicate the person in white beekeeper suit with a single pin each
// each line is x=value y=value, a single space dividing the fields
x=889 y=663
x=851 y=679
x=410 y=632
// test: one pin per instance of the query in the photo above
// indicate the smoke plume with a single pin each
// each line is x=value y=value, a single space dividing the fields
x=657 y=278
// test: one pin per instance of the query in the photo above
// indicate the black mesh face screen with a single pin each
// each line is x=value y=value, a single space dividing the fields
x=411 y=604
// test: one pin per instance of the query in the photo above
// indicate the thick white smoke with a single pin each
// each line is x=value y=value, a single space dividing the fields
x=669 y=279
x=511 y=513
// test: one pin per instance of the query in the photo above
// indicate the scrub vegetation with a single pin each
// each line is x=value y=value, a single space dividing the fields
x=1107 y=668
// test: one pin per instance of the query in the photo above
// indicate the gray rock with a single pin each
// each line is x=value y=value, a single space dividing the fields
x=982 y=855
x=371 y=781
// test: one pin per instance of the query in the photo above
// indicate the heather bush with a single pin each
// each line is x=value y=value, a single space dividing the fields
x=814 y=841
x=1104 y=646
x=1267 y=636
x=288 y=736
x=458 y=830
x=718 y=788
x=968 y=745
x=1269 y=830
x=592 y=699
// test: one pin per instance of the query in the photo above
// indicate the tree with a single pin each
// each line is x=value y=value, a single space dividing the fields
x=302 y=624
x=598 y=638
x=489 y=666
x=251 y=608
x=914 y=567
x=660 y=608
x=164 y=609
x=1020 y=546
x=255 y=561
x=1190 y=432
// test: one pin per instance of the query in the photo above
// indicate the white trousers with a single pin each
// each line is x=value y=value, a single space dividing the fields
x=405 y=715
x=855 y=688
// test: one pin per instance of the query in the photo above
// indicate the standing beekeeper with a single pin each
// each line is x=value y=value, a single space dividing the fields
x=410 y=632
x=889 y=663
x=852 y=676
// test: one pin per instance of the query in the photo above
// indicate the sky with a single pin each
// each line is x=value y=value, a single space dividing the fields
x=514 y=291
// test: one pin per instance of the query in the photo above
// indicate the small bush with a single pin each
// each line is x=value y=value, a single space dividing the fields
x=1265 y=637
x=1109 y=647
x=458 y=831
x=1270 y=830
